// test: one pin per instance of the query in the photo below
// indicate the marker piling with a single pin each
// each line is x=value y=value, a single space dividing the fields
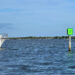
x=69 y=43
x=69 y=33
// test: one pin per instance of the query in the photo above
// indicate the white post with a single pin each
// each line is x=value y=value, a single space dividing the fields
x=69 y=43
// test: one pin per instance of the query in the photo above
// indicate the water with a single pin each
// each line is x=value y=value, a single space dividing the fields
x=37 y=57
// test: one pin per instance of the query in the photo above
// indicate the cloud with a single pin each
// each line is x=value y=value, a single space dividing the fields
x=9 y=10
x=5 y=25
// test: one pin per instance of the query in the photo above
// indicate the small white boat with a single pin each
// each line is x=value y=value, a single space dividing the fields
x=2 y=38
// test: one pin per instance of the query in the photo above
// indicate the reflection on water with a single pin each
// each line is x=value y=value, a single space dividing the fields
x=37 y=57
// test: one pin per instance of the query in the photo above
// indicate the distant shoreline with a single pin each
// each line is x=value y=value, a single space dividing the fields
x=32 y=37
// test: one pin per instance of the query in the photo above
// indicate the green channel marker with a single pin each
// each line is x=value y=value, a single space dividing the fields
x=70 y=31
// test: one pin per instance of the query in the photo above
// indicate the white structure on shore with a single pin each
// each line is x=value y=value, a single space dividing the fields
x=3 y=37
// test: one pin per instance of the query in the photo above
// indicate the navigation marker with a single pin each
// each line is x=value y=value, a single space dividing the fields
x=69 y=33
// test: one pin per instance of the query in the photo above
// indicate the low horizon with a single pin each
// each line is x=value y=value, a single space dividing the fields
x=38 y=36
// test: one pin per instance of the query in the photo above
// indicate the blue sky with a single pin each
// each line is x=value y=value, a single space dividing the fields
x=21 y=18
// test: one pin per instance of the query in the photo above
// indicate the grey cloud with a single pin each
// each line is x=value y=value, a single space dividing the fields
x=5 y=25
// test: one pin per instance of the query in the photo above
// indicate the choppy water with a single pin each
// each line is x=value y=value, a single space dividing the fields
x=37 y=57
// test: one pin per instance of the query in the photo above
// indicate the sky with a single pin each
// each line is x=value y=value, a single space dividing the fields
x=20 y=18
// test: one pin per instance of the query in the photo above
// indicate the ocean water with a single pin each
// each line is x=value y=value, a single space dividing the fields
x=37 y=57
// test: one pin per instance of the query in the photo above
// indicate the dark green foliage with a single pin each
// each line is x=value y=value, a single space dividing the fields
x=33 y=37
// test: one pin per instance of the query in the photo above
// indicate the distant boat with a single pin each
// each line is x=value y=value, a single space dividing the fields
x=3 y=38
